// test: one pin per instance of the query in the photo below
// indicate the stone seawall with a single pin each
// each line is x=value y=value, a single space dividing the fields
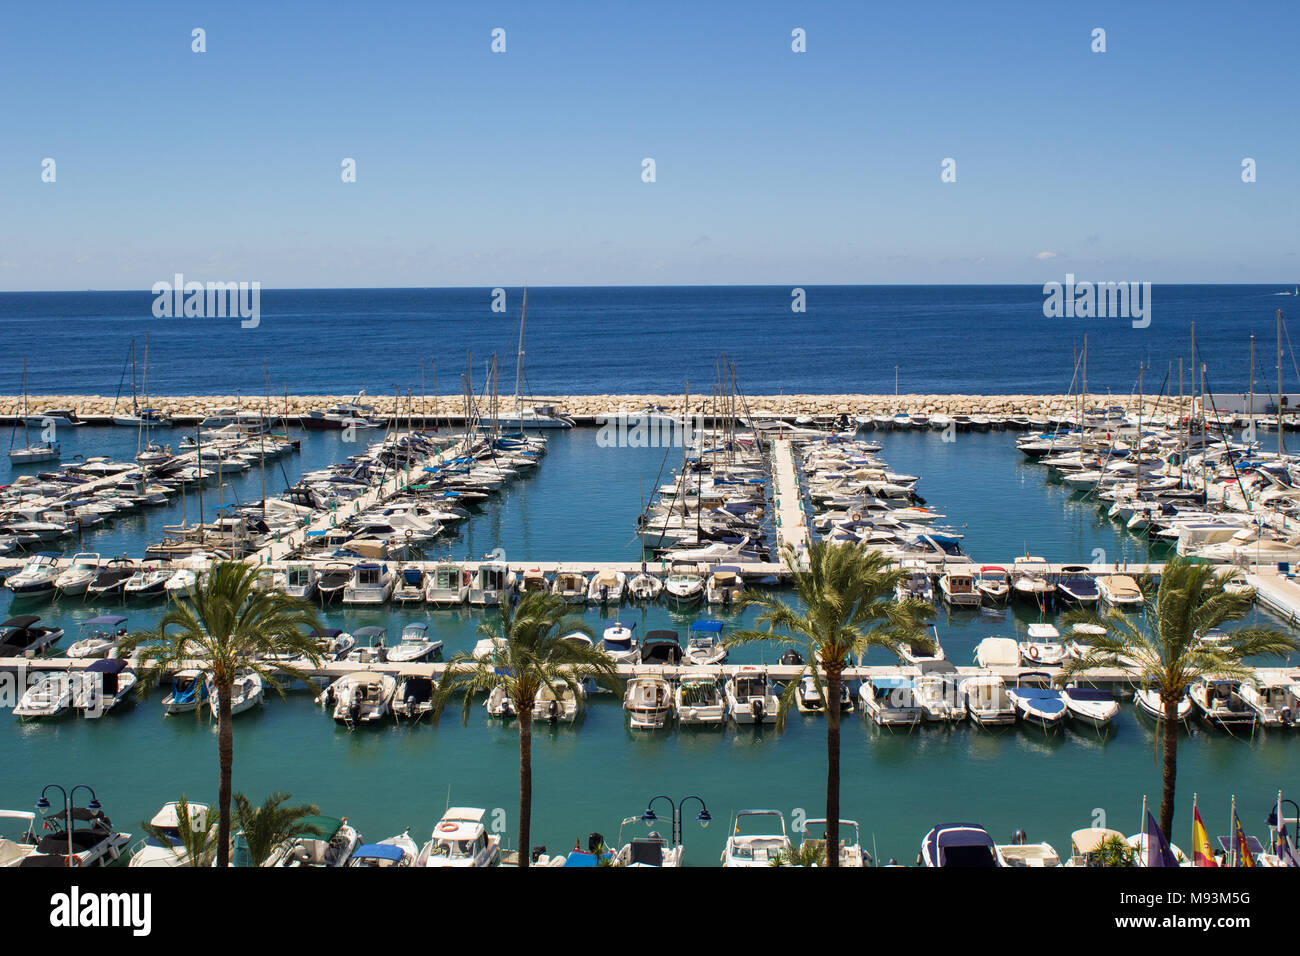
x=588 y=406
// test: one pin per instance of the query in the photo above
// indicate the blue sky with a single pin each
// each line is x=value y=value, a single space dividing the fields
x=475 y=168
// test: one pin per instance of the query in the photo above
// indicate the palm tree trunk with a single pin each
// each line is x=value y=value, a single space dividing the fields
x=1170 y=766
x=833 y=766
x=225 y=757
x=525 y=784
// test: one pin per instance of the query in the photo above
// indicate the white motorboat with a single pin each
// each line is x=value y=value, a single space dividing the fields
x=890 y=701
x=1119 y=590
x=533 y=581
x=333 y=845
x=98 y=636
x=488 y=649
x=371 y=584
x=606 y=588
x=648 y=701
x=1092 y=705
x=37 y=577
x=913 y=653
x=26 y=636
x=396 y=851
x=414 y=697
x=570 y=587
x=724 y=585
x=987 y=701
x=751 y=698
x=958 y=589
x=965 y=845
x=102 y=686
x=297 y=581
x=415 y=646
x=808 y=699
x=619 y=642
x=1219 y=703
x=410 y=586
x=993 y=584
x=360 y=698
x=189 y=690
x=644 y=587
x=997 y=652
x=683 y=588
x=78 y=575
x=1148 y=702
x=1037 y=702
x=147 y=582
x=756 y=837
x=1028 y=854
x=164 y=847
x=1031 y=581
x=562 y=705
x=1272 y=699
x=51 y=696
x=461 y=840
x=704 y=643
x=492 y=581
x=448 y=585
x=698 y=701
x=93 y=840
x=1043 y=646
x=851 y=852
x=938 y=693
x=247 y=692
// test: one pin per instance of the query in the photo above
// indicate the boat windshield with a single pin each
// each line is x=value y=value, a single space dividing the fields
x=453 y=849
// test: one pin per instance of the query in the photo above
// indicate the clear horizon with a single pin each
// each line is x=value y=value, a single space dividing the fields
x=483 y=169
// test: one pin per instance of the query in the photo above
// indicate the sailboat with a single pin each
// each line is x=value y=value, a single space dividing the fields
x=535 y=416
x=138 y=416
x=30 y=453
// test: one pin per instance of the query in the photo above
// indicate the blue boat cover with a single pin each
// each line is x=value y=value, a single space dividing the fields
x=379 y=851
x=107 y=620
x=713 y=626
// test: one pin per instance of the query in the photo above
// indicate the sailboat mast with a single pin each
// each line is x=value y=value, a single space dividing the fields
x=1280 y=443
x=519 y=358
x=1251 y=409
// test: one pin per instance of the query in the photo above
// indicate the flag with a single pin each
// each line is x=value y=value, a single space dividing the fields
x=1157 y=845
x=1244 y=856
x=1202 y=855
x=1285 y=848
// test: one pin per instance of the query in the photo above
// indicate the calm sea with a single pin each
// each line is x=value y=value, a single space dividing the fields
x=850 y=339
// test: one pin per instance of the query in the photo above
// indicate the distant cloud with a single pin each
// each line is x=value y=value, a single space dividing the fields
x=1045 y=254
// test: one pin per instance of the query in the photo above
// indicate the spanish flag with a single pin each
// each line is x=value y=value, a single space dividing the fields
x=1202 y=855
x=1244 y=856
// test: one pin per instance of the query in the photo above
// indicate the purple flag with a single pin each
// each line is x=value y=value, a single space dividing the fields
x=1157 y=846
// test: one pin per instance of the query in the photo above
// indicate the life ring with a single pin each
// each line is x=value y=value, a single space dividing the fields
x=857 y=516
x=1033 y=651
x=446 y=826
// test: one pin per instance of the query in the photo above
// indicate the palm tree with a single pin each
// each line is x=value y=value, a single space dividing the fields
x=808 y=853
x=532 y=654
x=848 y=607
x=268 y=826
x=225 y=625
x=1163 y=648
x=194 y=842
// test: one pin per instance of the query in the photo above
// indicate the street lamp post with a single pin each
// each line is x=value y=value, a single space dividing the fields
x=68 y=806
x=703 y=817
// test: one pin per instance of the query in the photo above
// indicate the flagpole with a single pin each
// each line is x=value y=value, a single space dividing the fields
x=1196 y=846
x=1232 y=829
x=1277 y=843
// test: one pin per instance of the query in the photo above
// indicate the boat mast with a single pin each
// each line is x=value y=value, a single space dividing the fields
x=519 y=360
x=1251 y=409
x=1279 y=384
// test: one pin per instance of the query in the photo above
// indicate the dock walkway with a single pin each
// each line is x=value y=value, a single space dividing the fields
x=791 y=520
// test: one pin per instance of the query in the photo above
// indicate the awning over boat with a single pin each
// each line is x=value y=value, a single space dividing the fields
x=711 y=626
x=379 y=851
x=110 y=665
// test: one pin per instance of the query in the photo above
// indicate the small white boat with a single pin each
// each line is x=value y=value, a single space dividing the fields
x=1148 y=702
x=648 y=702
x=1219 y=703
x=808 y=699
x=1037 y=702
x=958 y=589
x=414 y=697
x=756 y=837
x=448 y=585
x=37 y=577
x=1119 y=590
x=704 y=643
x=396 y=851
x=570 y=587
x=751 y=698
x=246 y=693
x=993 y=584
x=26 y=636
x=147 y=582
x=890 y=702
x=644 y=587
x=332 y=846
x=563 y=705
x=1272 y=700
x=606 y=588
x=98 y=636
x=360 y=698
x=370 y=584
x=164 y=846
x=911 y=653
x=724 y=585
x=51 y=696
x=619 y=642
x=683 y=588
x=965 y=845
x=415 y=646
x=938 y=694
x=851 y=852
x=102 y=686
x=461 y=840
x=698 y=701
x=1092 y=705
x=499 y=703
x=1043 y=647
x=492 y=580
x=997 y=652
x=987 y=701
x=77 y=577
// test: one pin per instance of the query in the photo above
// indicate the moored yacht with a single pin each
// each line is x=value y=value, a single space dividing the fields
x=461 y=840
x=751 y=699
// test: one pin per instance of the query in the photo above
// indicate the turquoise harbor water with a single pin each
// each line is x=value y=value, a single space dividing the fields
x=581 y=505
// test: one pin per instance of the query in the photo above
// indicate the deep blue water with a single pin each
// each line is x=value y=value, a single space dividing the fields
x=945 y=339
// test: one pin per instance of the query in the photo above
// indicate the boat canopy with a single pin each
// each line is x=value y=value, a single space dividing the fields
x=714 y=627
x=961 y=845
x=325 y=827
x=378 y=851
x=371 y=631
x=21 y=622
x=662 y=637
x=110 y=665
x=1090 y=693
x=327 y=632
